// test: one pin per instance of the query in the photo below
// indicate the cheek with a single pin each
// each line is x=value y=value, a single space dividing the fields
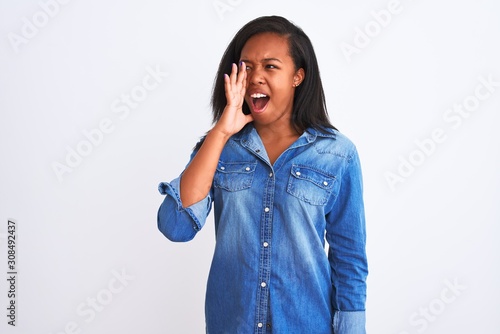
x=284 y=92
x=284 y=83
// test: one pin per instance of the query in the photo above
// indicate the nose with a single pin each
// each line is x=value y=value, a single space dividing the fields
x=255 y=77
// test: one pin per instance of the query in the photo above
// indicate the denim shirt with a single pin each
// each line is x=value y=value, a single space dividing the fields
x=270 y=271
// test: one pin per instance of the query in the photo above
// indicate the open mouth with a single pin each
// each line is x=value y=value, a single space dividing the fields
x=259 y=102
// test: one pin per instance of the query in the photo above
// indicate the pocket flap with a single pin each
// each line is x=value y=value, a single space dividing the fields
x=319 y=178
x=236 y=167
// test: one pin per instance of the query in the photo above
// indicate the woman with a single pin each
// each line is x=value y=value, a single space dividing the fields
x=282 y=180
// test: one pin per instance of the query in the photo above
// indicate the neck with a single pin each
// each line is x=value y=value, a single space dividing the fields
x=274 y=132
x=277 y=139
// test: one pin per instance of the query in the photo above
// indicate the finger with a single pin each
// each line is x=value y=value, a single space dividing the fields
x=227 y=85
x=243 y=73
x=234 y=74
x=243 y=82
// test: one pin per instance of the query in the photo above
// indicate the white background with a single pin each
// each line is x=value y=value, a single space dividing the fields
x=74 y=235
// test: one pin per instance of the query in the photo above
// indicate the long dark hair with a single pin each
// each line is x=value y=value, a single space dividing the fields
x=309 y=105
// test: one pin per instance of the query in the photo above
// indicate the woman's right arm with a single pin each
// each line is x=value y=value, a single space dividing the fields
x=197 y=179
x=184 y=208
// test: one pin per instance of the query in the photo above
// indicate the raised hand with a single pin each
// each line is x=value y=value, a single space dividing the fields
x=198 y=176
x=233 y=119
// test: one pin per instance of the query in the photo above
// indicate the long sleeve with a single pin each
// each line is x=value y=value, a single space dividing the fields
x=346 y=236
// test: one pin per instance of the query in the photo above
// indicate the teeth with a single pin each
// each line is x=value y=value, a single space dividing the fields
x=258 y=96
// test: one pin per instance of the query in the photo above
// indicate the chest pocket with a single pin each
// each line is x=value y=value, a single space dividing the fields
x=234 y=176
x=310 y=185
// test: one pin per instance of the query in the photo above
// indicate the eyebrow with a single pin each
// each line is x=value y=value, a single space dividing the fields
x=265 y=60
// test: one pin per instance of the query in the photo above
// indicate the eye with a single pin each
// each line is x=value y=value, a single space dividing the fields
x=248 y=68
x=270 y=66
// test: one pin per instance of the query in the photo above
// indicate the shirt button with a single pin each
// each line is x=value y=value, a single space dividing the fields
x=260 y=324
x=265 y=244
x=263 y=284
x=222 y=168
x=266 y=209
x=270 y=174
x=247 y=169
x=297 y=173
x=325 y=183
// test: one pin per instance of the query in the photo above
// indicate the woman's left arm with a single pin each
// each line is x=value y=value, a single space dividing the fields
x=346 y=236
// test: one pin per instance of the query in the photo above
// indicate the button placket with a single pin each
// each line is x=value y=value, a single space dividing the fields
x=265 y=255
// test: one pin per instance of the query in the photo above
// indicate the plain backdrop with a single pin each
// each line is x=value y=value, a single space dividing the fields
x=404 y=80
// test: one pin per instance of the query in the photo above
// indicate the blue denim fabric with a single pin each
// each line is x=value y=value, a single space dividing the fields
x=270 y=271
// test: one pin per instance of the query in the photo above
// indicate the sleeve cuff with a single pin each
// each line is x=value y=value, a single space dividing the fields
x=197 y=211
x=345 y=322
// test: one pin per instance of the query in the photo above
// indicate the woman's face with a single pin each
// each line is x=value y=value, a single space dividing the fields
x=271 y=79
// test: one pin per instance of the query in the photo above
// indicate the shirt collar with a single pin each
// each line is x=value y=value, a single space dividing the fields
x=311 y=134
x=249 y=138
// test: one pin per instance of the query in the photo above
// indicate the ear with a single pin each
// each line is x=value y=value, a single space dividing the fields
x=298 y=77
